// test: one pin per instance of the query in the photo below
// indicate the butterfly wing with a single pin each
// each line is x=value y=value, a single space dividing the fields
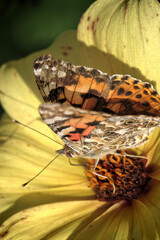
x=94 y=134
x=77 y=86
x=72 y=125
x=91 y=89
x=130 y=96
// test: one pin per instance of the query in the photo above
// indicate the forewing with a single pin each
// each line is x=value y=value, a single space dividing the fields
x=72 y=125
x=124 y=132
x=92 y=134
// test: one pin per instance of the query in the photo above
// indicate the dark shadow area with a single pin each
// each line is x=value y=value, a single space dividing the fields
x=30 y=25
x=108 y=63
x=87 y=221
x=30 y=200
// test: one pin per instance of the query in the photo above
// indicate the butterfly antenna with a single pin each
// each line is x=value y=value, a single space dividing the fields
x=26 y=183
x=15 y=121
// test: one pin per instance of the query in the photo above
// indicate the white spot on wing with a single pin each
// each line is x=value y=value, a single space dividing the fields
x=52 y=85
x=54 y=119
x=122 y=131
x=54 y=69
x=45 y=66
x=46 y=90
x=68 y=112
x=38 y=71
x=99 y=131
x=61 y=74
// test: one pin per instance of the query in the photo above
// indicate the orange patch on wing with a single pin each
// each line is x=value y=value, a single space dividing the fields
x=82 y=87
x=97 y=86
x=105 y=91
x=88 y=130
x=84 y=84
x=82 y=124
x=72 y=122
x=89 y=103
x=75 y=136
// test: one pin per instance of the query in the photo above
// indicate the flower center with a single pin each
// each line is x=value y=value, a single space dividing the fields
x=124 y=178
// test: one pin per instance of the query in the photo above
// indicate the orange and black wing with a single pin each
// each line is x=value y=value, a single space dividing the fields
x=130 y=96
x=71 y=85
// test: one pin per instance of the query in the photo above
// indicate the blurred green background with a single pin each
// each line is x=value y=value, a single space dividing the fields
x=30 y=25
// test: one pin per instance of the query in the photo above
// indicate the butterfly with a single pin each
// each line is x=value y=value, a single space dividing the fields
x=93 y=113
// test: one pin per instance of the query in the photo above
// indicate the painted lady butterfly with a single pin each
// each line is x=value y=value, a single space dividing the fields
x=93 y=113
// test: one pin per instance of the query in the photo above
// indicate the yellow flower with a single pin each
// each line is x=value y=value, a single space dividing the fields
x=123 y=37
x=59 y=204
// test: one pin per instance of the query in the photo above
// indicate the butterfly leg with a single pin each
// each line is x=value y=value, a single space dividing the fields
x=93 y=171
x=74 y=164
x=130 y=155
x=94 y=168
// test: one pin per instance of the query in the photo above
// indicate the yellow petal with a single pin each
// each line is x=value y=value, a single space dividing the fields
x=150 y=199
x=51 y=221
x=153 y=164
x=107 y=225
x=30 y=152
x=123 y=37
x=153 y=146
x=23 y=155
x=151 y=150
x=144 y=225
x=18 y=90
x=121 y=221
